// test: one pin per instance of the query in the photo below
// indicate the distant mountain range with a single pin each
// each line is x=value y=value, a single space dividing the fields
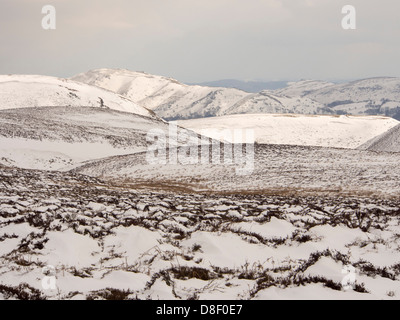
x=173 y=100
x=374 y=96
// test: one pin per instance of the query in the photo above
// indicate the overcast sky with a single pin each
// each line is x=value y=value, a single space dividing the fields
x=203 y=40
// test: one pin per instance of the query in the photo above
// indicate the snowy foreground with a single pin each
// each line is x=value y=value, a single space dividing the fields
x=107 y=242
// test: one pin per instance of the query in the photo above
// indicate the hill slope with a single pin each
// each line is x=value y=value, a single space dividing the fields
x=25 y=91
x=172 y=100
x=324 y=131
x=386 y=142
x=276 y=169
x=375 y=96
x=302 y=88
x=61 y=137
x=52 y=123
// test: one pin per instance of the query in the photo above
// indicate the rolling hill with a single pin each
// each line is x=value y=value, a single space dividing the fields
x=374 y=96
x=58 y=138
x=26 y=91
x=172 y=100
x=324 y=131
x=54 y=124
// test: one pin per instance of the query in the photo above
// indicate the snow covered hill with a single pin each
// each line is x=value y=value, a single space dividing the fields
x=375 y=96
x=25 y=91
x=173 y=100
x=167 y=97
x=270 y=103
x=51 y=123
x=325 y=131
x=302 y=88
x=58 y=138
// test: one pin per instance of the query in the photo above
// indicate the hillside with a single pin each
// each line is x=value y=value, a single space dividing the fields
x=167 y=97
x=58 y=138
x=375 y=96
x=324 y=131
x=273 y=169
x=387 y=142
x=54 y=124
x=302 y=88
x=25 y=91
x=172 y=100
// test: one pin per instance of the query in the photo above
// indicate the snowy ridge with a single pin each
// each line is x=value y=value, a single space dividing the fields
x=173 y=100
x=24 y=91
x=55 y=124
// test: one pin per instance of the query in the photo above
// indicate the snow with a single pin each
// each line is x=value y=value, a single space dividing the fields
x=373 y=90
x=53 y=155
x=325 y=131
x=69 y=249
x=310 y=207
x=133 y=241
x=274 y=229
x=173 y=100
x=59 y=138
x=328 y=268
x=24 y=91
x=336 y=238
x=104 y=247
x=310 y=292
x=388 y=141
x=221 y=250
x=277 y=169
x=302 y=88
